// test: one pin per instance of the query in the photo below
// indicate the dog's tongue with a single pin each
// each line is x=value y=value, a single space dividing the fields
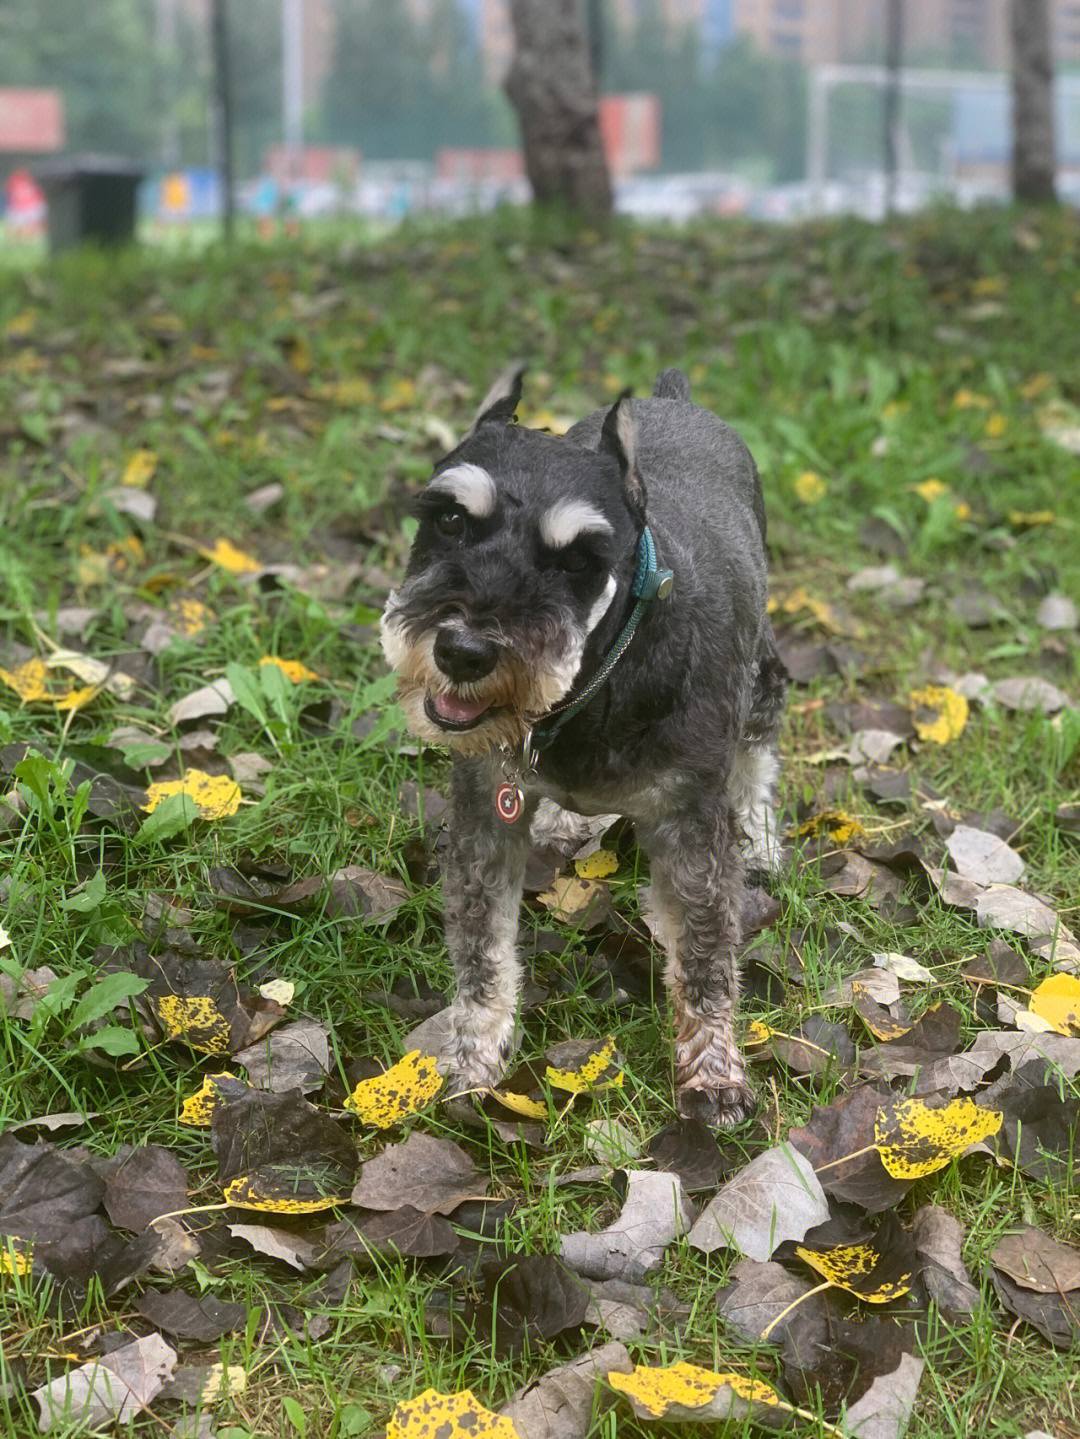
x=458 y=710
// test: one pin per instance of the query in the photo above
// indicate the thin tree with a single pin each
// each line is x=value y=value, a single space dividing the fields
x=1033 y=102
x=552 y=87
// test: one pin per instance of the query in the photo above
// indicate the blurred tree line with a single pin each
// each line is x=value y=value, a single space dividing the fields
x=398 y=88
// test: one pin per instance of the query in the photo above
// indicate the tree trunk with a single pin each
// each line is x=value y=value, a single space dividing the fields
x=552 y=87
x=1033 y=101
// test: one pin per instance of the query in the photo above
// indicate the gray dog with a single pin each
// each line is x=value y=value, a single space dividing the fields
x=583 y=620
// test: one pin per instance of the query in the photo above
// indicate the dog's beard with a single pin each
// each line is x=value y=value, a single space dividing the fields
x=517 y=692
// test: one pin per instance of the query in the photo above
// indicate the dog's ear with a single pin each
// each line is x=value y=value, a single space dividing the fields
x=499 y=405
x=618 y=436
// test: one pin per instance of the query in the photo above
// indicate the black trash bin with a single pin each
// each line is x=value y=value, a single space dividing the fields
x=90 y=197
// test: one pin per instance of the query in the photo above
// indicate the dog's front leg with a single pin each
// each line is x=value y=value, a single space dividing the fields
x=697 y=899
x=482 y=884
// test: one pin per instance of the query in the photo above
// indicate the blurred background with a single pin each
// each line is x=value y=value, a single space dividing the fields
x=383 y=109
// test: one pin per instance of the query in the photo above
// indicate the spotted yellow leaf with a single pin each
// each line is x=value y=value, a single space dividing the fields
x=291 y=669
x=858 y=1269
x=913 y=1139
x=139 y=469
x=190 y=616
x=597 y=865
x=432 y=1415
x=1057 y=1000
x=269 y=1195
x=216 y=1090
x=758 y=1032
x=15 y=1262
x=801 y=599
x=216 y=795
x=810 y=487
x=940 y=713
x=35 y=683
x=597 y=1068
x=1031 y=519
x=521 y=1104
x=569 y=898
x=685 y=1385
x=837 y=824
x=281 y=991
x=225 y=554
x=193 y=1018
x=223 y=1382
x=392 y=1096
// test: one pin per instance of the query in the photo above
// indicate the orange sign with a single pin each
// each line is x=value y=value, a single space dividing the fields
x=630 y=129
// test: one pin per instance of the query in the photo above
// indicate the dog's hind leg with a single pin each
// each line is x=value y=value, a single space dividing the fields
x=696 y=895
x=482 y=886
x=750 y=792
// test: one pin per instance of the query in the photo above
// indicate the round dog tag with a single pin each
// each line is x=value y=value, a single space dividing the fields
x=509 y=802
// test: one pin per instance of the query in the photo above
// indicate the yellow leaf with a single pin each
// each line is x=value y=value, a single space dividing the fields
x=400 y=1091
x=216 y=1090
x=21 y=324
x=521 y=1104
x=852 y=1267
x=223 y=1382
x=836 y=823
x=140 y=469
x=758 y=1032
x=548 y=420
x=291 y=669
x=215 y=794
x=30 y=683
x=193 y=1018
x=946 y=713
x=1031 y=519
x=810 y=487
x=987 y=285
x=299 y=353
x=225 y=554
x=255 y=1191
x=281 y=991
x=1036 y=386
x=599 y=1069
x=401 y=397
x=1057 y=1000
x=685 y=1385
x=14 y=1261
x=931 y=489
x=432 y=1415
x=190 y=616
x=350 y=393
x=597 y=865
x=969 y=400
x=799 y=599
x=913 y=1139
x=568 y=899
x=996 y=426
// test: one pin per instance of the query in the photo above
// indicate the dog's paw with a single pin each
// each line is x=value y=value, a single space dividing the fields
x=476 y=1053
x=721 y=1108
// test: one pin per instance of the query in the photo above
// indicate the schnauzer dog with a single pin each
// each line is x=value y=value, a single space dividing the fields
x=583 y=620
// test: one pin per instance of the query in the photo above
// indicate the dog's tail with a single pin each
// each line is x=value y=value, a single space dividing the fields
x=672 y=385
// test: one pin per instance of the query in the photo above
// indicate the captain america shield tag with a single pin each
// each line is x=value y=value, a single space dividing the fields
x=509 y=802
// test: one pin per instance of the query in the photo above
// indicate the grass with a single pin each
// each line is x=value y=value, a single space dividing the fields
x=877 y=359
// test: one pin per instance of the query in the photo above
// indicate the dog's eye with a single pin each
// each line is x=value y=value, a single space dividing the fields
x=451 y=523
x=575 y=561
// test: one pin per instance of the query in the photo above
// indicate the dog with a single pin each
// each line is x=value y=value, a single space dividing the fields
x=583 y=621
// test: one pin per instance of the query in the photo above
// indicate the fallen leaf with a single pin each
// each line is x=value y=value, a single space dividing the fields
x=225 y=554
x=983 y=857
x=938 y=1238
x=940 y=713
x=291 y=669
x=216 y=796
x=561 y=1403
x=809 y=487
x=277 y=1153
x=876 y=1267
x=403 y=1089
x=432 y=1175
x=141 y=1184
x=1035 y=1261
x=884 y=1411
x=838 y=1140
x=685 y=1391
x=1057 y=1000
x=432 y=1415
x=1056 y=1316
x=296 y=1056
x=653 y=1214
x=215 y=1091
x=291 y=1249
x=583 y=1066
x=915 y=1139
x=404 y=1231
x=212 y=699
x=597 y=865
x=775 y=1197
x=690 y=1149
x=113 y=1389
x=204 y=1319
x=1029 y=693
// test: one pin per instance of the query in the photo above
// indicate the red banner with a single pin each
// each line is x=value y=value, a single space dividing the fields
x=31 y=121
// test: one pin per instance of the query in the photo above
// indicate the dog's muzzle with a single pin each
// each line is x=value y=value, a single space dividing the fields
x=465 y=658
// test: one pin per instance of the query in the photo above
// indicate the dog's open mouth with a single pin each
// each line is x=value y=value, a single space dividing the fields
x=455 y=711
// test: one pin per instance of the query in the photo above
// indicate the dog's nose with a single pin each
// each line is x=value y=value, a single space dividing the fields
x=463 y=656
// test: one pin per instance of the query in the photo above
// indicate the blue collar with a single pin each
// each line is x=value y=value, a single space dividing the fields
x=650 y=583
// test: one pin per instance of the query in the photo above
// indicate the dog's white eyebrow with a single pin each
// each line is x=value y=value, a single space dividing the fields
x=471 y=486
x=564 y=521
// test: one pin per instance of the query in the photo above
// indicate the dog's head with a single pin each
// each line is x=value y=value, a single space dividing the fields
x=526 y=543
